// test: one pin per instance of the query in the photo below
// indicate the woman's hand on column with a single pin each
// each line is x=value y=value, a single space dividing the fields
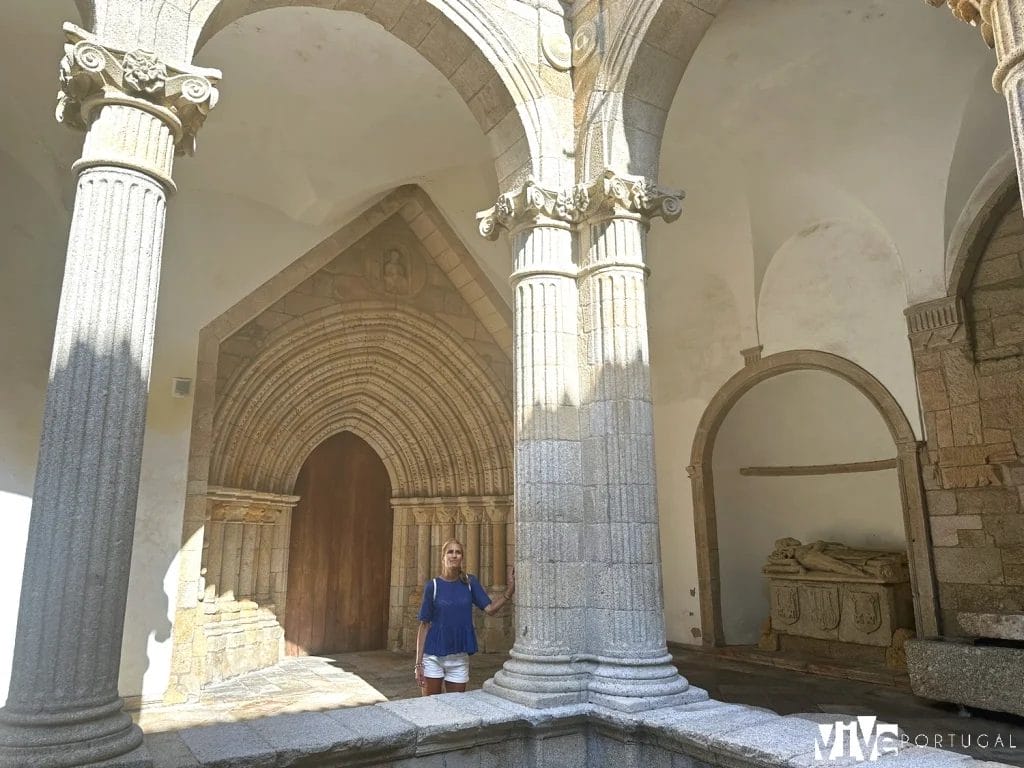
x=510 y=580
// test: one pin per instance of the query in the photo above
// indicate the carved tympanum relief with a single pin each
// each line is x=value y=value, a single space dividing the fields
x=395 y=270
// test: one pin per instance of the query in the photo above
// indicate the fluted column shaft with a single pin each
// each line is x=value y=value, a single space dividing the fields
x=543 y=669
x=631 y=668
x=63 y=707
x=625 y=608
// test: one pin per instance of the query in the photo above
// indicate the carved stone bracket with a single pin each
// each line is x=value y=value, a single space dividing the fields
x=977 y=13
x=92 y=75
x=608 y=196
x=936 y=323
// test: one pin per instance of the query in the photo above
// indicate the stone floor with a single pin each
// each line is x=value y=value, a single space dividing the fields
x=317 y=683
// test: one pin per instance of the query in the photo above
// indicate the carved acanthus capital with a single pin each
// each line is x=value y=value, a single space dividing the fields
x=607 y=196
x=611 y=195
x=977 y=13
x=530 y=205
x=92 y=75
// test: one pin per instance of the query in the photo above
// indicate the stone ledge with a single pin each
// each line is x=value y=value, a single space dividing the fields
x=478 y=728
x=984 y=676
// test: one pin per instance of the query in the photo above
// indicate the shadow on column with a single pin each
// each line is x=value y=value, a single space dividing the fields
x=598 y=568
x=63 y=708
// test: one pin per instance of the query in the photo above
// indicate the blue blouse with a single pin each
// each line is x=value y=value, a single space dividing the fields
x=451 y=615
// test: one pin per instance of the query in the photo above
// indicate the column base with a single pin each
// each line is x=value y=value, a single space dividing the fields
x=540 y=681
x=103 y=735
x=637 y=685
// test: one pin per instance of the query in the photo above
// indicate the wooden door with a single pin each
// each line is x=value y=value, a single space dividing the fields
x=339 y=561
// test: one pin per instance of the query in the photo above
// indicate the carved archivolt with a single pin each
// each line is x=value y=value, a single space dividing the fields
x=427 y=404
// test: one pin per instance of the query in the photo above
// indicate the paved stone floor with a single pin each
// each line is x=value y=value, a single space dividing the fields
x=351 y=679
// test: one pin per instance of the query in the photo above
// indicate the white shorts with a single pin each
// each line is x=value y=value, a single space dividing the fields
x=454 y=668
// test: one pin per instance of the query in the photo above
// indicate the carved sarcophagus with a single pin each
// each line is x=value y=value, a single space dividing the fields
x=828 y=591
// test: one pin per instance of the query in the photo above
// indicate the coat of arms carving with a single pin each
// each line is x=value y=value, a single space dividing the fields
x=867 y=611
x=787 y=604
x=824 y=605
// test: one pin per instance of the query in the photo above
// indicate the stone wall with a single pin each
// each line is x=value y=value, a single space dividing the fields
x=969 y=360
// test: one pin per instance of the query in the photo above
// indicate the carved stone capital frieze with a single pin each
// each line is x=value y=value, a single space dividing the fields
x=937 y=323
x=613 y=196
x=93 y=75
x=529 y=206
x=608 y=196
x=977 y=13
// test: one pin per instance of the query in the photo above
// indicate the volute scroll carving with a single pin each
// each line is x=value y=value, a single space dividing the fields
x=530 y=205
x=92 y=74
x=609 y=195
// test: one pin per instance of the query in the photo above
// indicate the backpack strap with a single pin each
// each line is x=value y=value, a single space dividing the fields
x=434 y=581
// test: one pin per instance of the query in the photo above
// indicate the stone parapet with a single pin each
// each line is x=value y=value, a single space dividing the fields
x=984 y=676
x=465 y=729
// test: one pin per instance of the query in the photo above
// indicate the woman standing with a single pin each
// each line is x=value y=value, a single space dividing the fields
x=446 y=638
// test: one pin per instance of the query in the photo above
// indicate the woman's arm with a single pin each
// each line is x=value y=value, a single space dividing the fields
x=421 y=638
x=499 y=602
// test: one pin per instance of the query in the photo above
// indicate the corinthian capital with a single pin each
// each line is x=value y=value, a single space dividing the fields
x=92 y=74
x=611 y=195
x=530 y=205
x=977 y=13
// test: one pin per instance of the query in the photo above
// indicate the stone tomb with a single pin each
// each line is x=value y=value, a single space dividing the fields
x=836 y=602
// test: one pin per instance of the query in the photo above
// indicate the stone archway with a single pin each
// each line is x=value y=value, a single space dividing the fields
x=472 y=47
x=635 y=80
x=908 y=468
x=994 y=196
x=428 y=389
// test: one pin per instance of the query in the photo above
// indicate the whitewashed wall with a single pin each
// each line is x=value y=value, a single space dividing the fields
x=797 y=419
x=821 y=184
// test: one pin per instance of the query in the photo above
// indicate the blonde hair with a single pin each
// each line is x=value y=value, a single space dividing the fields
x=463 y=576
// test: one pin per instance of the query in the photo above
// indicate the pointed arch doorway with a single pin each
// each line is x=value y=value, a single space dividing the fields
x=339 y=560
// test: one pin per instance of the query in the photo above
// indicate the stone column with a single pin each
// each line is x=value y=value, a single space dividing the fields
x=1001 y=23
x=63 y=707
x=471 y=516
x=625 y=607
x=423 y=520
x=544 y=669
x=498 y=520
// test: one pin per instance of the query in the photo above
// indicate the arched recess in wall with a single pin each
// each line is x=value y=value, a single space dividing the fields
x=908 y=468
x=474 y=51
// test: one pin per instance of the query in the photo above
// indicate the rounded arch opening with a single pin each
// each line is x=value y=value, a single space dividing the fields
x=907 y=465
x=471 y=49
x=636 y=82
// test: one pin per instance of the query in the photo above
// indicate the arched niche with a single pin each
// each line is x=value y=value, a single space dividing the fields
x=908 y=467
